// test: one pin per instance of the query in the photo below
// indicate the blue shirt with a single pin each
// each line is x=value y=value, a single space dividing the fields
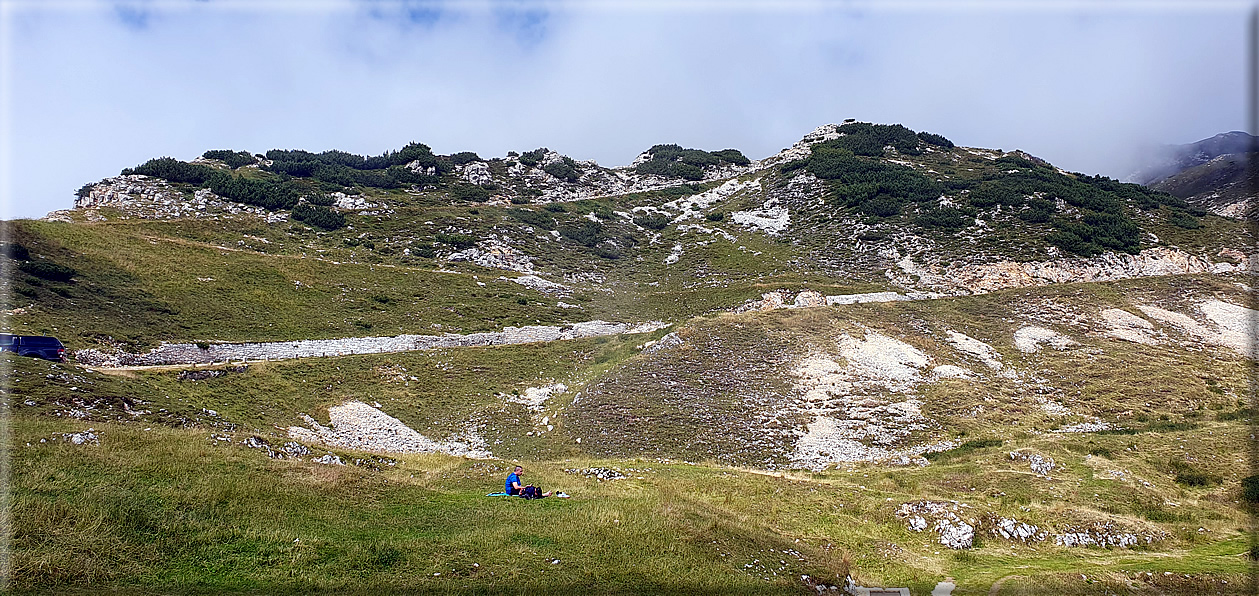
x=510 y=479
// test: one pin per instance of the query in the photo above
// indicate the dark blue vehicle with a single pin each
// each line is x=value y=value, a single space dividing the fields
x=37 y=346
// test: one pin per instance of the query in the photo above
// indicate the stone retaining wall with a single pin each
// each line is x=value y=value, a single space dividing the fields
x=186 y=353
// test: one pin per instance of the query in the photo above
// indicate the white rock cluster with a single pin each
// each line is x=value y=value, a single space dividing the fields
x=167 y=354
x=540 y=285
x=356 y=425
x=1039 y=464
x=1012 y=529
x=344 y=201
x=535 y=398
x=980 y=279
x=599 y=474
x=145 y=197
x=494 y=254
x=1104 y=534
x=1029 y=339
x=942 y=517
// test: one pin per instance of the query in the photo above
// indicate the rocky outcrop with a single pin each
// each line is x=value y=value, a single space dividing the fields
x=168 y=354
x=145 y=197
x=980 y=279
x=494 y=254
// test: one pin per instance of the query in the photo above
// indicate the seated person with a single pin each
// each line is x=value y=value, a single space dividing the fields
x=515 y=487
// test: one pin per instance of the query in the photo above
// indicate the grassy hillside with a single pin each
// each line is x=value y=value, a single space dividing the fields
x=760 y=451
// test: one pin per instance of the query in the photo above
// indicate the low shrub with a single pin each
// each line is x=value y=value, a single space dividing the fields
x=564 y=169
x=233 y=159
x=464 y=157
x=459 y=241
x=1250 y=488
x=1189 y=475
x=318 y=216
x=652 y=221
x=470 y=193
x=15 y=251
x=537 y=219
x=583 y=232
x=47 y=270
x=935 y=139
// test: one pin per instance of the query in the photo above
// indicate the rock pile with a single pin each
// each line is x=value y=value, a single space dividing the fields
x=290 y=449
x=1105 y=534
x=1039 y=464
x=941 y=517
x=494 y=253
x=1012 y=529
x=599 y=474
x=356 y=425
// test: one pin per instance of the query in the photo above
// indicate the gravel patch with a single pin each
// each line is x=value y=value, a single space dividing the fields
x=356 y=425
x=1029 y=339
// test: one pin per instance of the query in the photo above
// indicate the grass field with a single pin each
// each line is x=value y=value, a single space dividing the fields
x=173 y=510
x=162 y=503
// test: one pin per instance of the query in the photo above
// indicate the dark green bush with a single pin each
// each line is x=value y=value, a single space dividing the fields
x=1181 y=219
x=948 y=218
x=672 y=161
x=555 y=207
x=268 y=195
x=715 y=216
x=318 y=216
x=531 y=158
x=469 y=193
x=880 y=206
x=870 y=139
x=464 y=157
x=733 y=156
x=1189 y=475
x=173 y=170
x=583 y=232
x=322 y=200
x=47 y=270
x=459 y=241
x=1250 y=488
x=935 y=139
x=233 y=159
x=565 y=169
x=652 y=221
x=534 y=218
x=15 y=251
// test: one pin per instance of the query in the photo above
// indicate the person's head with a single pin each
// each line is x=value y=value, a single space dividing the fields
x=518 y=470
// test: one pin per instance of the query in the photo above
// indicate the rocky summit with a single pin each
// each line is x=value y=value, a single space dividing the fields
x=875 y=357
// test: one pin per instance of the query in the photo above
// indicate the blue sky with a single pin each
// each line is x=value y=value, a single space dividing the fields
x=90 y=87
